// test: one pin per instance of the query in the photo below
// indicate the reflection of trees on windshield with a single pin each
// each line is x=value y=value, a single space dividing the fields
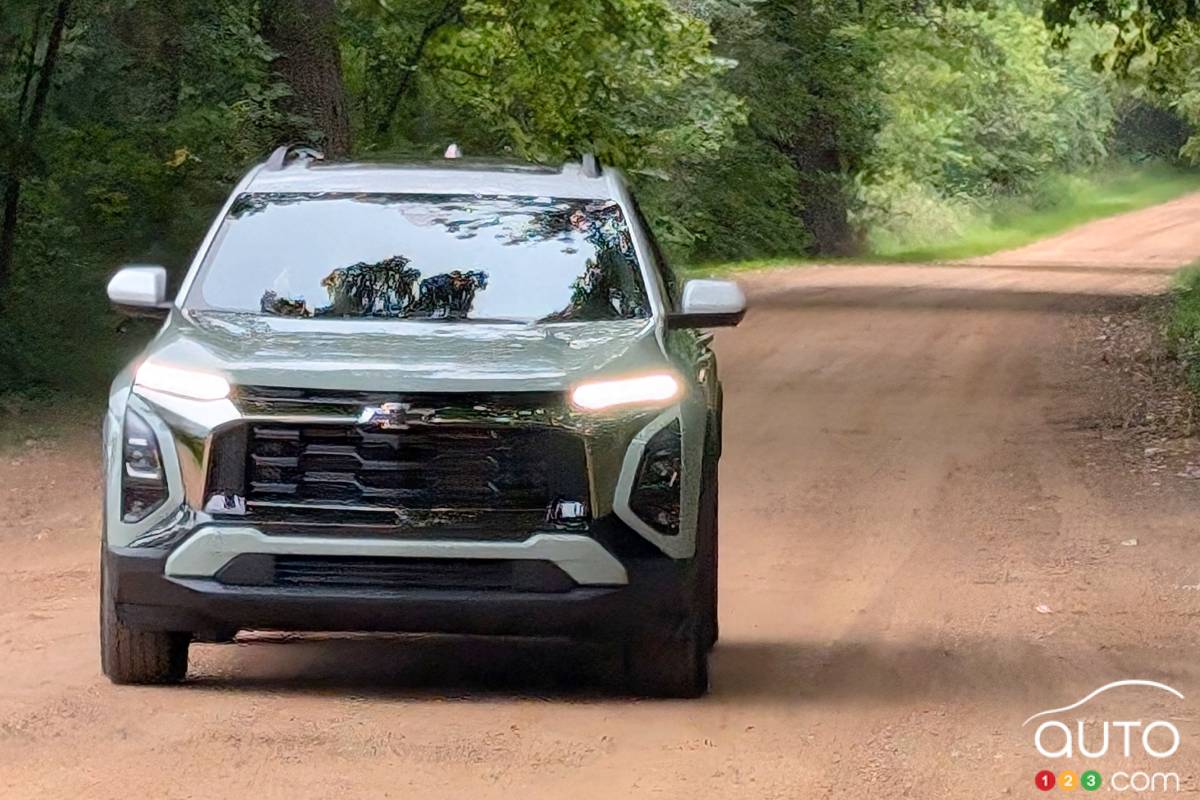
x=610 y=287
x=277 y=306
x=606 y=290
x=249 y=204
x=608 y=284
x=386 y=289
x=450 y=295
x=382 y=289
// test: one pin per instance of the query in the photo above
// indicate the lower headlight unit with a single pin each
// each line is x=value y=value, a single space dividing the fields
x=656 y=492
x=143 y=484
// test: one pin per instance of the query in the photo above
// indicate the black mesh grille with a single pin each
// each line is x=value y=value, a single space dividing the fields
x=424 y=468
x=489 y=466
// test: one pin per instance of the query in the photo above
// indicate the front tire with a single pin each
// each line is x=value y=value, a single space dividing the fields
x=670 y=666
x=707 y=548
x=674 y=663
x=128 y=655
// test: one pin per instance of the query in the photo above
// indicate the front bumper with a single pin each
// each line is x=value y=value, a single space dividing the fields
x=166 y=571
x=189 y=434
x=148 y=599
x=211 y=547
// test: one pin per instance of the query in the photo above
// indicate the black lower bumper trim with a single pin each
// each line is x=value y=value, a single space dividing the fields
x=146 y=598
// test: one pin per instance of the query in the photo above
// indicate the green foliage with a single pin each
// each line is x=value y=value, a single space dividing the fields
x=1144 y=129
x=742 y=205
x=1136 y=29
x=630 y=80
x=1055 y=203
x=979 y=107
x=398 y=107
x=875 y=125
x=1171 y=78
x=1154 y=45
x=806 y=74
x=157 y=108
x=754 y=128
x=1183 y=327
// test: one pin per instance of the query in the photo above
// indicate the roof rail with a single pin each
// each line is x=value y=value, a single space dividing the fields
x=591 y=165
x=293 y=151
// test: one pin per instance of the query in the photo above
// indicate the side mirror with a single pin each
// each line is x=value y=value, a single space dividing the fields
x=140 y=291
x=709 y=304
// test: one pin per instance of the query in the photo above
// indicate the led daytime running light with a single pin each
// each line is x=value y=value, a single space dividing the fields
x=644 y=390
x=182 y=382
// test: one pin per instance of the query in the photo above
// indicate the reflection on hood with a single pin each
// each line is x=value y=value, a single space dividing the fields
x=456 y=356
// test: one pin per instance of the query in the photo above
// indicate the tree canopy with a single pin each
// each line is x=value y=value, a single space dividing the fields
x=633 y=81
x=751 y=127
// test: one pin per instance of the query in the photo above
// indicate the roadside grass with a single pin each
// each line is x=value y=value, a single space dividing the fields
x=723 y=268
x=1062 y=202
x=1183 y=326
x=42 y=416
x=1065 y=202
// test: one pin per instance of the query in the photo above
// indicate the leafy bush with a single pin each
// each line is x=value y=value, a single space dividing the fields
x=156 y=109
x=1183 y=328
x=630 y=80
x=904 y=215
x=979 y=105
x=806 y=73
x=745 y=204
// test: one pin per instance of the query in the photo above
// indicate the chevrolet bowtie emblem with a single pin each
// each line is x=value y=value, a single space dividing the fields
x=391 y=416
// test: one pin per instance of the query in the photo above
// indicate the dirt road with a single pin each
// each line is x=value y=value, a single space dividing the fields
x=922 y=547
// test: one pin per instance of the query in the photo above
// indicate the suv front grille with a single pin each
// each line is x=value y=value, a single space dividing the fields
x=494 y=466
x=499 y=482
x=427 y=468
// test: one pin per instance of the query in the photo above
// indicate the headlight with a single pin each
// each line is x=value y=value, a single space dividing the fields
x=143 y=485
x=182 y=382
x=653 y=389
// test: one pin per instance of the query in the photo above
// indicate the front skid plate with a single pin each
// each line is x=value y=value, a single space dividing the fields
x=209 y=549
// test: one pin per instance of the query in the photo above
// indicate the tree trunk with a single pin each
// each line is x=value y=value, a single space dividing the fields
x=30 y=71
x=23 y=149
x=304 y=34
x=822 y=184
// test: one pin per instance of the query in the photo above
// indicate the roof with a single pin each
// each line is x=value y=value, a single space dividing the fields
x=453 y=176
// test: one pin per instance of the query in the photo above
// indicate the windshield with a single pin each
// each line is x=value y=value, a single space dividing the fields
x=430 y=257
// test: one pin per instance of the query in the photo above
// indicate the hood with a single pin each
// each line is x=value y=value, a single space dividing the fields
x=404 y=355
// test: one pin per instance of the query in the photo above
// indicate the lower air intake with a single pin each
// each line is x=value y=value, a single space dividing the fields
x=393 y=574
